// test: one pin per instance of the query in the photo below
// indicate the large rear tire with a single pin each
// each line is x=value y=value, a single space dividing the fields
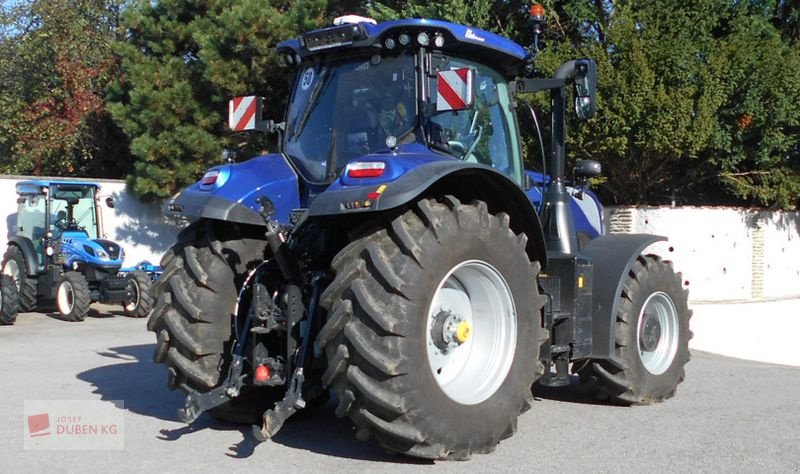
x=14 y=266
x=433 y=331
x=9 y=300
x=651 y=338
x=73 y=297
x=195 y=300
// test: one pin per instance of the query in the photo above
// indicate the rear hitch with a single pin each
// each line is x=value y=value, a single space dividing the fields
x=274 y=418
x=197 y=403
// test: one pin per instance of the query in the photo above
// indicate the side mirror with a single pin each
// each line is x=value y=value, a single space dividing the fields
x=110 y=202
x=585 y=87
x=455 y=89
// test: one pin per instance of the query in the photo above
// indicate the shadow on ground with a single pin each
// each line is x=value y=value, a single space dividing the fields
x=141 y=385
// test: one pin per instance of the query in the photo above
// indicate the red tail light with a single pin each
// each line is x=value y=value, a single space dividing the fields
x=209 y=178
x=366 y=169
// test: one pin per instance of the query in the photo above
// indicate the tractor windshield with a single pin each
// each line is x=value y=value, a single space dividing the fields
x=342 y=109
x=73 y=208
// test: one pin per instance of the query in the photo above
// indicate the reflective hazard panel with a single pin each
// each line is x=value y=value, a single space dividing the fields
x=244 y=113
x=455 y=89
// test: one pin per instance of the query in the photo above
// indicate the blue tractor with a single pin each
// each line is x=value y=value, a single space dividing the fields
x=396 y=251
x=57 y=254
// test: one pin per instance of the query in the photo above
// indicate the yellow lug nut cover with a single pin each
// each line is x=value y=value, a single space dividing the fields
x=463 y=332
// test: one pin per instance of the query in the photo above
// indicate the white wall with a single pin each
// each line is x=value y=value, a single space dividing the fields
x=139 y=228
x=724 y=254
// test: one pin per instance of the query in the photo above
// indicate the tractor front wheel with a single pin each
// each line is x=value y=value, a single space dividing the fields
x=73 y=296
x=433 y=331
x=9 y=300
x=141 y=288
x=651 y=338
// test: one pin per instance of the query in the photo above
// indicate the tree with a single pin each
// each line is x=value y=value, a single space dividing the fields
x=181 y=63
x=55 y=62
x=695 y=105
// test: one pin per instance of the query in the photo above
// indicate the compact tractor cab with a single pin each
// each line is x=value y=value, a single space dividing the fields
x=56 y=253
x=396 y=251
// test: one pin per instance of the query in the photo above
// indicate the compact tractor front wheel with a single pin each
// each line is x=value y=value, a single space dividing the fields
x=73 y=297
x=433 y=331
x=14 y=266
x=142 y=298
x=651 y=338
x=9 y=300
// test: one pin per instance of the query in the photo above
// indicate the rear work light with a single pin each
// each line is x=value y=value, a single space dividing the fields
x=365 y=169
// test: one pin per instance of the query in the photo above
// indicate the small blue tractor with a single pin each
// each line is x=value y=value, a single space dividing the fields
x=396 y=251
x=56 y=253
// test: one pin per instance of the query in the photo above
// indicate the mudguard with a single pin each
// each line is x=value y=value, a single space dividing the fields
x=612 y=257
x=29 y=251
x=466 y=181
x=232 y=194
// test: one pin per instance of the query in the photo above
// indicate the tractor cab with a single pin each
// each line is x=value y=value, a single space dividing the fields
x=423 y=90
x=61 y=220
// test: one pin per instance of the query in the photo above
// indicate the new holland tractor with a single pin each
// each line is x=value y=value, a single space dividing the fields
x=396 y=251
x=57 y=254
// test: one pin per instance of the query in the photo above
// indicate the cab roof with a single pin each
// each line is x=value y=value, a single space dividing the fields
x=34 y=186
x=460 y=40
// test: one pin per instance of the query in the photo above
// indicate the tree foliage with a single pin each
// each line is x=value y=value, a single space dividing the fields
x=696 y=101
x=182 y=62
x=55 y=63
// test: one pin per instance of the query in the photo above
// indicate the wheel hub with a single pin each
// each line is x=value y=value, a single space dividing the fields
x=449 y=330
x=471 y=332
x=651 y=332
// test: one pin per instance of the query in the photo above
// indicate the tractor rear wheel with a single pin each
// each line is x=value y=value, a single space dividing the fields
x=651 y=338
x=433 y=331
x=14 y=266
x=141 y=288
x=195 y=300
x=73 y=297
x=9 y=300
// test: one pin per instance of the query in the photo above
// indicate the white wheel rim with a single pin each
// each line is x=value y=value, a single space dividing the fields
x=657 y=333
x=66 y=297
x=12 y=270
x=135 y=301
x=470 y=371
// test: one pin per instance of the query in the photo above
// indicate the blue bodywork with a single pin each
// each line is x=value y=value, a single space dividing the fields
x=78 y=249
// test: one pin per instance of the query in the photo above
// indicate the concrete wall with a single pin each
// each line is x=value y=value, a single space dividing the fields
x=724 y=254
x=139 y=228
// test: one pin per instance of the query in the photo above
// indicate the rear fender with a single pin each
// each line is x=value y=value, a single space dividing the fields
x=465 y=181
x=29 y=252
x=232 y=196
x=612 y=257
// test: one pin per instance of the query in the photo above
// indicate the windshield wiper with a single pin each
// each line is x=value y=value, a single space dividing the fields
x=312 y=102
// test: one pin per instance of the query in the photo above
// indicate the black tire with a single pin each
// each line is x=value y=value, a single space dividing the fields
x=142 y=287
x=377 y=331
x=9 y=300
x=651 y=352
x=26 y=286
x=73 y=297
x=195 y=299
